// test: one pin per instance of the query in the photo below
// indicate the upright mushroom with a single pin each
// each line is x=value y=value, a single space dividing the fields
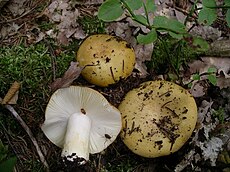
x=157 y=118
x=106 y=59
x=80 y=121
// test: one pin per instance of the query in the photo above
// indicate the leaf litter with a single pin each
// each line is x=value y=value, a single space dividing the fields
x=70 y=75
x=65 y=15
x=210 y=146
x=11 y=96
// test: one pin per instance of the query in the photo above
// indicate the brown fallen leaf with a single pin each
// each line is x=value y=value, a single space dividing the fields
x=64 y=15
x=17 y=7
x=199 y=88
x=11 y=96
x=143 y=54
x=223 y=82
x=70 y=75
x=222 y=64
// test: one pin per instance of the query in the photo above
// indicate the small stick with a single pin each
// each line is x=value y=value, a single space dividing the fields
x=53 y=59
x=8 y=139
x=23 y=15
x=28 y=131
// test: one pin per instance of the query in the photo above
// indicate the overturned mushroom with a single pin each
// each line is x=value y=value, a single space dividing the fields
x=106 y=59
x=80 y=121
x=157 y=118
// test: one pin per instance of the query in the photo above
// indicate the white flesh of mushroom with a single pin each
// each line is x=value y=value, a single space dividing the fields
x=76 y=143
x=81 y=122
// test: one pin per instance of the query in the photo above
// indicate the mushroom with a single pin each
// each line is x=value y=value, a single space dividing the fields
x=80 y=121
x=157 y=118
x=106 y=59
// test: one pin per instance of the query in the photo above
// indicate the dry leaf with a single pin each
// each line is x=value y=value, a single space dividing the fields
x=186 y=161
x=210 y=146
x=11 y=96
x=70 y=75
x=40 y=37
x=206 y=32
x=6 y=30
x=199 y=88
x=65 y=16
x=61 y=37
x=223 y=82
x=143 y=54
x=221 y=64
x=17 y=7
x=210 y=149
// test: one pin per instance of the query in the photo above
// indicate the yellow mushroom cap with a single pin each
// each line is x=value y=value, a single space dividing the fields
x=157 y=118
x=107 y=59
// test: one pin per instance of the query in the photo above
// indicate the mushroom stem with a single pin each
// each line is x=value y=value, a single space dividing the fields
x=76 y=144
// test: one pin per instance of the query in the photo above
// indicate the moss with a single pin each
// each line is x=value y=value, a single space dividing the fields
x=171 y=55
x=92 y=25
x=32 y=66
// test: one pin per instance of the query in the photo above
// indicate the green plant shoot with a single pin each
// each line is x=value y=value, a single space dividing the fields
x=208 y=14
x=111 y=10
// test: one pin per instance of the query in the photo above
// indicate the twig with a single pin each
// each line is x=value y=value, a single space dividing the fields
x=185 y=12
x=28 y=131
x=8 y=139
x=53 y=59
x=23 y=15
x=99 y=164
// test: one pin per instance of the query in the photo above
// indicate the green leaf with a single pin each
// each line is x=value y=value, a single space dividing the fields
x=176 y=35
x=141 y=19
x=110 y=10
x=200 y=44
x=8 y=165
x=172 y=76
x=212 y=79
x=207 y=16
x=3 y=151
x=134 y=4
x=212 y=70
x=228 y=17
x=190 y=85
x=226 y=3
x=196 y=76
x=162 y=22
x=209 y=3
x=148 y=38
x=150 y=6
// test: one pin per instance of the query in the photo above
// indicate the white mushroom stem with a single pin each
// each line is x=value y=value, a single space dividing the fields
x=76 y=144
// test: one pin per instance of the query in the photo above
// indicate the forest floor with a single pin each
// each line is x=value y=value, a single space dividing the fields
x=39 y=40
